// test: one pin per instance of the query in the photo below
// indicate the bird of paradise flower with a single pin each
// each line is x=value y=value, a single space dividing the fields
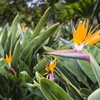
x=50 y=69
x=9 y=59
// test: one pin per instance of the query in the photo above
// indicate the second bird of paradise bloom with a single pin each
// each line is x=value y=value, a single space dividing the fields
x=83 y=36
x=9 y=59
x=23 y=28
x=50 y=69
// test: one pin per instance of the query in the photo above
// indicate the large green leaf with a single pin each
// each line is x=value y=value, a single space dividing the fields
x=86 y=67
x=4 y=35
x=13 y=80
x=95 y=95
x=95 y=68
x=24 y=67
x=2 y=64
x=69 y=81
x=26 y=38
x=40 y=24
x=92 y=69
x=38 y=77
x=74 y=68
x=20 y=31
x=24 y=77
x=52 y=91
x=4 y=88
x=15 y=56
x=7 y=45
x=64 y=75
x=87 y=70
x=85 y=92
x=34 y=44
x=14 y=29
x=95 y=51
x=1 y=51
x=33 y=89
x=40 y=67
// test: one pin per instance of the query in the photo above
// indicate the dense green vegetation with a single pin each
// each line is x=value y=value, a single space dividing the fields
x=41 y=60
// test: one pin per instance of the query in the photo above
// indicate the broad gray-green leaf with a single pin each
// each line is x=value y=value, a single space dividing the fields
x=38 y=76
x=86 y=67
x=87 y=70
x=12 y=78
x=24 y=77
x=2 y=64
x=95 y=95
x=4 y=35
x=40 y=67
x=95 y=68
x=7 y=45
x=20 y=31
x=85 y=92
x=26 y=38
x=4 y=87
x=14 y=29
x=74 y=68
x=95 y=51
x=40 y=24
x=1 y=51
x=15 y=56
x=33 y=89
x=63 y=74
x=24 y=67
x=52 y=91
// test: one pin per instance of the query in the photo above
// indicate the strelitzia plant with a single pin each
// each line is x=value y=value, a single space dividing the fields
x=82 y=37
x=16 y=58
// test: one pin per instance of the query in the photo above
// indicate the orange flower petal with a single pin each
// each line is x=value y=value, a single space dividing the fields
x=23 y=28
x=73 y=32
x=81 y=37
x=81 y=32
x=93 y=30
x=94 y=40
x=91 y=39
x=51 y=66
x=9 y=58
x=78 y=33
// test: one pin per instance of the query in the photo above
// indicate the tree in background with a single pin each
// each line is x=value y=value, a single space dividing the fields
x=32 y=10
x=61 y=10
x=9 y=9
x=85 y=9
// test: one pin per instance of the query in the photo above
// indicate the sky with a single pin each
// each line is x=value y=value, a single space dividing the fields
x=37 y=2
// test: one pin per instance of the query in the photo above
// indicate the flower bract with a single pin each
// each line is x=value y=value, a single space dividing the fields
x=83 y=37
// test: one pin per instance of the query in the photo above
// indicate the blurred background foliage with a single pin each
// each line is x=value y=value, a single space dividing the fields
x=62 y=11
